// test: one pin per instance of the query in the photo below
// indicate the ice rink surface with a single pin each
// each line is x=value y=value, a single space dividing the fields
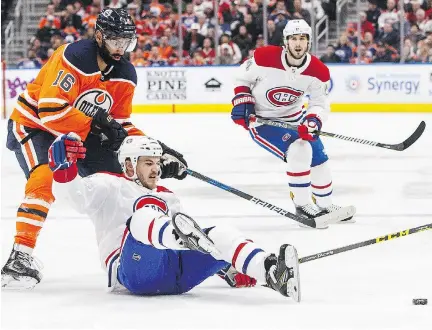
x=368 y=288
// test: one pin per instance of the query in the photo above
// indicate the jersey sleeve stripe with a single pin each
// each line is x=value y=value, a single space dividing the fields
x=34 y=119
x=52 y=100
x=55 y=117
x=50 y=109
x=27 y=104
x=29 y=99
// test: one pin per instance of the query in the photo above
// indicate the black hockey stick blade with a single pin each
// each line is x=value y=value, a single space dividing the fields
x=398 y=147
x=371 y=241
x=411 y=139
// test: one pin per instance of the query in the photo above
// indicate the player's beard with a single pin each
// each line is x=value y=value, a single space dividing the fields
x=295 y=59
x=295 y=56
x=151 y=181
x=106 y=56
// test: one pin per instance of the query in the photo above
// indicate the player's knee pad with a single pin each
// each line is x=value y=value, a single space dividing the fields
x=147 y=226
x=299 y=155
x=39 y=184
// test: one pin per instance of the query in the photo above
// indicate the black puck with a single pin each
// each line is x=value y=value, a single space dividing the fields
x=420 y=301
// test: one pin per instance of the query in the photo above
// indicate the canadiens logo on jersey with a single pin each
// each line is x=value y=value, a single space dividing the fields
x=283 y=96
x=92 y=100
x=151 y=201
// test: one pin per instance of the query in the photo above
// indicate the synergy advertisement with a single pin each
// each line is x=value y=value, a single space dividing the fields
x=353 y=88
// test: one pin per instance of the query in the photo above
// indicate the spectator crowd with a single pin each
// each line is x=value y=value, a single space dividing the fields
x=381 y=28
x=238 y=27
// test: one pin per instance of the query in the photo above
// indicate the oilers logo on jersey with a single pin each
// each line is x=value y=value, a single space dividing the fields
x=283 y=96
x=92 y=100
x=153 y=202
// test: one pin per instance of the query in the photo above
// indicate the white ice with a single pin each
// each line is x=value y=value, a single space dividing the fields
x=368 y=288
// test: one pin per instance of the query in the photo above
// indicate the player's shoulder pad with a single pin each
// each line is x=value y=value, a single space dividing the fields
x=126 y=71
x=269 y=56
x=163 y=189
x=317 y=69
x=111 y=176
x=101 y=181
x=82 y=55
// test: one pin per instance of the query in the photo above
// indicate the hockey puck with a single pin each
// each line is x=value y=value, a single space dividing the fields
x=420 y=301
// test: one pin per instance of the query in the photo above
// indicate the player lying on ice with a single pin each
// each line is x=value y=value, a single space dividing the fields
x=272 y=84
x=146 y=243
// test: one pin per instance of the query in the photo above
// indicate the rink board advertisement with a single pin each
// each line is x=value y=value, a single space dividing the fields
x=354 y=88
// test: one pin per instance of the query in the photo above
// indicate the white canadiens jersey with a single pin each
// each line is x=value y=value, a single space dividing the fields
x=279 y=89
x=110 y=200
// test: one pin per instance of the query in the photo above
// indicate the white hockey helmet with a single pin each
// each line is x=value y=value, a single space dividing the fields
x=297 y=26
x=134 y=147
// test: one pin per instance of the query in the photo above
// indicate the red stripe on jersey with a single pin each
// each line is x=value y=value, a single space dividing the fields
x=237 y=252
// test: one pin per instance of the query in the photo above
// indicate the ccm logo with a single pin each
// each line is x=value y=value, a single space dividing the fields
x=283 y=96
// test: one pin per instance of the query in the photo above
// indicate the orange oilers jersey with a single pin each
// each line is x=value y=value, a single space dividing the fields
x=70 y=83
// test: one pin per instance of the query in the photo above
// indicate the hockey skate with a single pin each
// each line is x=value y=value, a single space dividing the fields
x=331 y=215
x=282 y=272
x=21 y=271
x=191 y=235
x=309 y=211
x=346 y=213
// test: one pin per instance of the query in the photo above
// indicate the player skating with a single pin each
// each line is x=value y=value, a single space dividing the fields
x=146 y=243
x=272 y=84
x=85 y=87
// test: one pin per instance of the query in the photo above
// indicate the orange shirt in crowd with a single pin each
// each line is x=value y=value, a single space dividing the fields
x=165 y=52
x=57 y=22
x=90 y=21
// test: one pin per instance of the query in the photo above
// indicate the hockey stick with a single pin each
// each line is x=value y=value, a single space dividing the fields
x=320 y=222
x=399 y=147
x=365 y=243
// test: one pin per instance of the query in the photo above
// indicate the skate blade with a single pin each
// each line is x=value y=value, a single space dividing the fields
x=320 y=224
x=9 y=282
x=293 y=284
x=352 y=220
x=337 y=216
x=200 y=240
